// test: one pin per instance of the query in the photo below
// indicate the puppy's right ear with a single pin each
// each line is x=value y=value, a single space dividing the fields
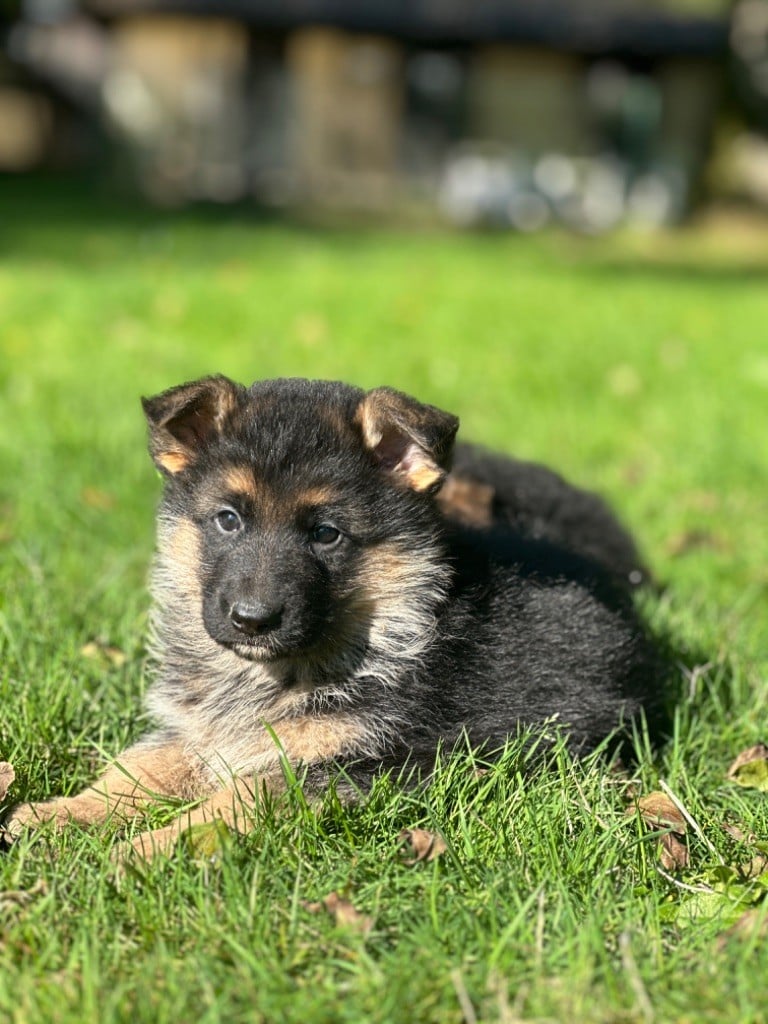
x=411 y=441
x=184 y=419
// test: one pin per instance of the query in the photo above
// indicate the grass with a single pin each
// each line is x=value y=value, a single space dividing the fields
x=637 y=366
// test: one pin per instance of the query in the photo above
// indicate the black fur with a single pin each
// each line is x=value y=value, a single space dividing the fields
x=315 y=589
x=538 y=503
x=522 y=622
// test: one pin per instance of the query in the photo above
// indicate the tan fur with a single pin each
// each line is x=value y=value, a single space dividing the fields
x=416 y=470
x=423 y=475
x=172 y=461
x=316 y=496
x=301 y=739
x=123 y=791
x=317 y=738
x=182 y=551
x=368 y=420
x=309 y=739
x=235 y=805
x=467 y=501
x=190 y=772
x=393 y=431
x=240 y=480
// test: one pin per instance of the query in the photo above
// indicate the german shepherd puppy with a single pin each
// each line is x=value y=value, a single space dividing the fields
x=314 y=601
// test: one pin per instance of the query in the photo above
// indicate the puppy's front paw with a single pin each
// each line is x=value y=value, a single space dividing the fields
x=25 y=817
x=145 y=847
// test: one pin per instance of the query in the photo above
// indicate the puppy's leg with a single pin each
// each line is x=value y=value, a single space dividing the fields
x=141 y=773
x=235 y=805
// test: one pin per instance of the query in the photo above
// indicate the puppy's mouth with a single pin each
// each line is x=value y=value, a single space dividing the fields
x=257 y=649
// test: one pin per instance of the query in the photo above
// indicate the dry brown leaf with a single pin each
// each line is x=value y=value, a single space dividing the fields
x=424 y=845
x=754 y=868
x=97 y=650
x=659 y=811
x=753 y=924
x=342 y=911
x=757 y=753
x=673 y=854
x=20 y=897
x=694 y=540
x=738 y=833
x=750 y=768
x=7 y=775
x=758 y=864
x=93 y=497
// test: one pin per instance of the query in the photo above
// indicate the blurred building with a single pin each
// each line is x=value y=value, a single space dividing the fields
x=494 y=111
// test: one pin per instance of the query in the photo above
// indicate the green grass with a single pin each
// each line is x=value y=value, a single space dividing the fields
x=638 y=366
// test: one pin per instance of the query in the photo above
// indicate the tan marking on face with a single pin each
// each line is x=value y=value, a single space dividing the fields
x=317 y=496
x=385 y=575
x=240 y=480
x=173 y=462
x=182 y=550
x=467 y=501
x=385 y=563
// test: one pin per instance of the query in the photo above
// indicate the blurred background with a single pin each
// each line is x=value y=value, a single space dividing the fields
x=504 y=113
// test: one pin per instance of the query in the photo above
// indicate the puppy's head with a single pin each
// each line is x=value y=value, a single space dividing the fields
x=294 y=510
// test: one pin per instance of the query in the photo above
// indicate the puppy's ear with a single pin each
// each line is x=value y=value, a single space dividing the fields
x=184 y=419
x=412 y=441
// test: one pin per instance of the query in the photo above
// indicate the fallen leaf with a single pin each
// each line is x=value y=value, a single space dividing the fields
x=674 y=854
x=753 y=924
x=738 y=834
x=694 y=540
x=424 y=845
x=20 y=897
x=206 y=841
x=95 y=498
x=104 y=653
x=750 y=768
x=7 y=775
x=754 y=868
x=342 y=911
x=758 y=864
x=703 y=501
x=708 y=906
x=659 y=811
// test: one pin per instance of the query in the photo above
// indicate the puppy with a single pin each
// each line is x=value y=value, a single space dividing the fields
x=315 y=604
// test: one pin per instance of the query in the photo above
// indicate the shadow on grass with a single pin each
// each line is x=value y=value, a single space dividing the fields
x=83 y=221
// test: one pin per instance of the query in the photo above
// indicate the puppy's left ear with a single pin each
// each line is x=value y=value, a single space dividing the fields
x=411 y=441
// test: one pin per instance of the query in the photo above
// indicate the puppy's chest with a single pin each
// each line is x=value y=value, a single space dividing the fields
x=258 y=745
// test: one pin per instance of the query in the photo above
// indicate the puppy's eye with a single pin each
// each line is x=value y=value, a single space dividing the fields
x=228 y=521
x=325 y=535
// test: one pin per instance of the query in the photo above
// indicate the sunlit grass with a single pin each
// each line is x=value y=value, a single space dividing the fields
x=638 y=367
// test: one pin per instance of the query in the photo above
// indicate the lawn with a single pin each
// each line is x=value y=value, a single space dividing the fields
x=637 y=366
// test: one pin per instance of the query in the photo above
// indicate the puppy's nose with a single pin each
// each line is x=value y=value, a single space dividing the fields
x=255 y=618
